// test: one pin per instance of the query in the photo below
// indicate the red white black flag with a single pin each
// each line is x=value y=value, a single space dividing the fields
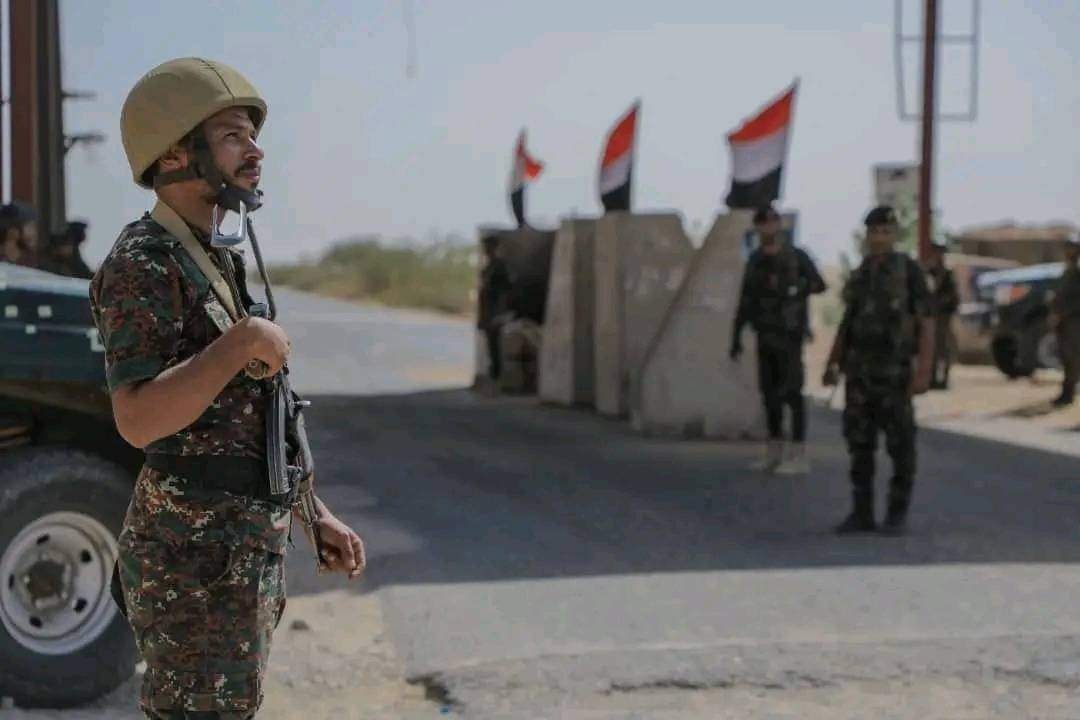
x=525 y=170
x=758 y=150
x=617 y=162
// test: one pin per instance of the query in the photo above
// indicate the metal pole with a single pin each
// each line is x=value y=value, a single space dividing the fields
x=928 y=116
x=23 y=107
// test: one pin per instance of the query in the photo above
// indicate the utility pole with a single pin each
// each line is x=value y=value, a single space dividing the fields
x=929 y=114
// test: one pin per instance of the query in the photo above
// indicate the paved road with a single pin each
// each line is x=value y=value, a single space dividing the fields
x=524 y=552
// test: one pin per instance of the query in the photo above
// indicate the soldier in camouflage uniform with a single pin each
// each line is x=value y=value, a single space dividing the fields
x=202 y=547
x=1065 y=319
x=884 y=348
x=776 y=284
x=18 y=234
x=944 y=301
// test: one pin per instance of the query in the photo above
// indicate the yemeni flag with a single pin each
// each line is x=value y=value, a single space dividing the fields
x=526 y=169
x=617 y=162
x=758 y=150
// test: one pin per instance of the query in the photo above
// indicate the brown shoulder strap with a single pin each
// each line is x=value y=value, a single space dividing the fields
x=168 y=218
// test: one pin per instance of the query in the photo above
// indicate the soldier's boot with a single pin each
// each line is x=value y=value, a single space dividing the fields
x=795 y=460
x=861 y=519
x=896 y=517
x=772 y=457
x=1064 y=399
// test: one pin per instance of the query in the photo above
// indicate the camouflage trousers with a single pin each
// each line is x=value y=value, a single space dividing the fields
x=880 y=405
x=203 y=615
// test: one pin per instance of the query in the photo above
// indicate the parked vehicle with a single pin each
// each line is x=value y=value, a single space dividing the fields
x=65 y=481
x=1020 y=305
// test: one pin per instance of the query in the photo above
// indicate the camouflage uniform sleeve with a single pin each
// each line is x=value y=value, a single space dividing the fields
x=139 y=313
x=918 y=290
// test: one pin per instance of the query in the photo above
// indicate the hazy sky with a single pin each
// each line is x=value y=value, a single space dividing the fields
x=354 y=146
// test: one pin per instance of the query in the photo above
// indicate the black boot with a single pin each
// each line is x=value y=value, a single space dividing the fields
x=1064 y=399
x=896 y=518
x=861 y=519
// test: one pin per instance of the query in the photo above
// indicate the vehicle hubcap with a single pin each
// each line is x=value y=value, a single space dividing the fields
x=54 y=583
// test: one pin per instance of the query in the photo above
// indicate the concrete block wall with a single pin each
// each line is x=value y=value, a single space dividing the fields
x=567 y=350
x=689 y=387
x=640 y=263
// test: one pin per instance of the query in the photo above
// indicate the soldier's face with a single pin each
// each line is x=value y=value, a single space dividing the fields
x=880 y=239
x=768 y=230
x=233 y=142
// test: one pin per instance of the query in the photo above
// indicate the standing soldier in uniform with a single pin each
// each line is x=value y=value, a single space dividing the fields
x=495 y=286
x=884 y=347
x=776 y=284
x=18 y=234
x=1065 y=319
x=944 y=301
x=202 y=546
x=64 y=257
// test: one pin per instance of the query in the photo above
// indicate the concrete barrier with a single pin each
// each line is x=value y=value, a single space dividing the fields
x=689 y=387
x=567 y=350
x=640 y=264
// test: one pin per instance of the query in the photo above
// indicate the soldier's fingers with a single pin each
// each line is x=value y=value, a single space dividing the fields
x=358 y=551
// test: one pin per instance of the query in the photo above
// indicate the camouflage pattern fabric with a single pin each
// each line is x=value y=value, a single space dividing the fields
x=944 y=301
x=154 y=309
x=873 y=406
x=201 y=570
x=885 y=300
x=773 y=296
x=204 y=584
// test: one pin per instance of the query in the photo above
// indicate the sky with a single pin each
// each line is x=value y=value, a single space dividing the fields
x=354 y=146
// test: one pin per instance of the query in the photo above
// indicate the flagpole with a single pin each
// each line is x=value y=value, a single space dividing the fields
x=794 y=89
x=633 y=153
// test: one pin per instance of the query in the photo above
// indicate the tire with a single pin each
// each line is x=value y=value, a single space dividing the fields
x=1006 y=352
x=1047 y=353
x=60 y=514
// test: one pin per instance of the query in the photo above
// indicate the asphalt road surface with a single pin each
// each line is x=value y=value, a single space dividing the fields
x=526 y=554
x=536 y=562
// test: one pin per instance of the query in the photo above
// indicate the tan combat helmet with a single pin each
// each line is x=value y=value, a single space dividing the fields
x=169 y=102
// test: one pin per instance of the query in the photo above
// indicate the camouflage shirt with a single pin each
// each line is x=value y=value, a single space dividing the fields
x=1066 y=301
x=885 y=298
x=155 y=309
x=774 y=293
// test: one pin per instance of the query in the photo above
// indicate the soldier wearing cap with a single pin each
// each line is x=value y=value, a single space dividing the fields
x=944 y=301
x=1065 y=318
x=884 y=349
x=18 y=234
x=776 y=285
x=201 y=561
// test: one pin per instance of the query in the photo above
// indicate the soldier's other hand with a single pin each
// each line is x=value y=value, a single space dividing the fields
x=267 y=342
x=831 y=376
x=343 y=550
x=920 y=383
x=736 y=350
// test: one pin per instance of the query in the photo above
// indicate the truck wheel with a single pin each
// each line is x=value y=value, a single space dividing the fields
x=1047 y=352
x=63 y=641
x=1006 y=353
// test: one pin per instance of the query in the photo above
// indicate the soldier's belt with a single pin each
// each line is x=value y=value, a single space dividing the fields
x=227 y=473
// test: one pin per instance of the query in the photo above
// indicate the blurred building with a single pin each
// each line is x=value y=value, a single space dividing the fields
x=1025 y=244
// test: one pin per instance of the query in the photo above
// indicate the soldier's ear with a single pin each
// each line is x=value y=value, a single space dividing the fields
x=175 y=158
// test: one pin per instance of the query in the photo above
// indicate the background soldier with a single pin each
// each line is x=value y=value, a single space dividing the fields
x=201 y=550
x=494 y=302
x=18 y=234
x=885 y=325
x=64 y=256
x=944 y=301
x=1065 y=318
x=776 y=283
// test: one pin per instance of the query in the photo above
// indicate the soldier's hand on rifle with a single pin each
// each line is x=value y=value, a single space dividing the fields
x=831 y=376
x=343 y=550
x=266 y=342
x=920 y=383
